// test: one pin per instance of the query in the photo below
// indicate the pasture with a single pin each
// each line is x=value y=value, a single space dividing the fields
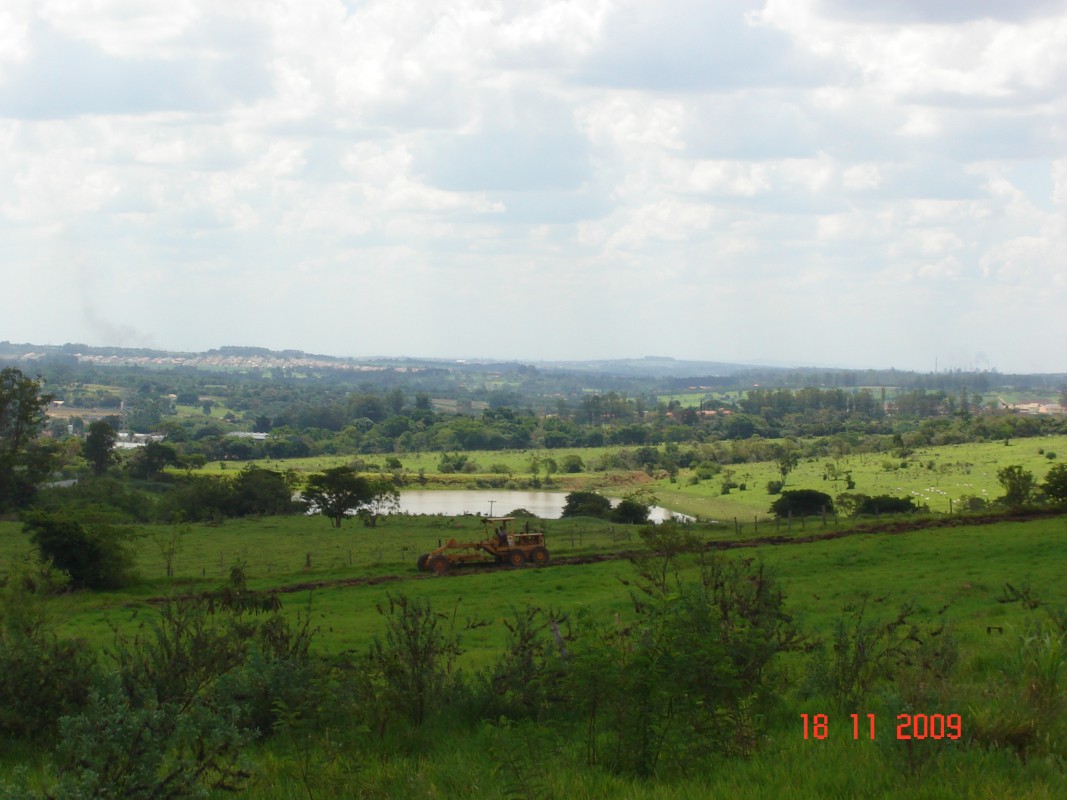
x=954 y=576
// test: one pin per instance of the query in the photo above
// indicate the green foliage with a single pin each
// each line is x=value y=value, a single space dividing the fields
x=262 y=492
x=415 y=658
x=94 y=553
x=802 y=503
x=338 y=492
x=452 y=462
x=1018 y=484
x=99 y=447
x=147 y=750
x=147 y=462
x=1055 y=484
x=105 y=494
x=1026 y=709
x=630 y=511
x=691 y=677
x=572 y=463
x=384 y=499
x=854 y=505
x=42 y=677
x=586 y=504
x=774 y=487
x=23 y=462
x=520 y=683
x=865 y=654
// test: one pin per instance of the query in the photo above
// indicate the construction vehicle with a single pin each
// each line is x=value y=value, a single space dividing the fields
x=503 y=544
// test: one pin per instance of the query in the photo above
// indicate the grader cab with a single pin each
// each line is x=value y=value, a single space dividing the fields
x=503 y=544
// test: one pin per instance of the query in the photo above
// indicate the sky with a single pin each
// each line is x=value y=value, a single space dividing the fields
x=791 y=182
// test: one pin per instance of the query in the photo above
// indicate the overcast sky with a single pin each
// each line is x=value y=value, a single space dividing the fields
x=813 y=182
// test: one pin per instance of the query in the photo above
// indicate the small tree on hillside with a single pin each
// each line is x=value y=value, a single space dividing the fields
x=1055 y=485
x=1019 y=485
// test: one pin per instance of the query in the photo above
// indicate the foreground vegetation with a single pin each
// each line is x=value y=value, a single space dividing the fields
x=440 y=687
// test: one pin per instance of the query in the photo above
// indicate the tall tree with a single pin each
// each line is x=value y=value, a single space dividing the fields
x=23 y=463
x=99 y=447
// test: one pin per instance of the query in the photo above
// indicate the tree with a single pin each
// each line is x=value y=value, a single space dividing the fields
x=786 y=460
x=94 y=554
x=1055 y=485
x=586 y=504
x=99 y=447
x=23 y=463
x=338 y=492
x=1019 y=485
x=385 y=499
x=261 y=491
x=802 y=502
x=573 y=463
x=148 y=462
x=630 y=511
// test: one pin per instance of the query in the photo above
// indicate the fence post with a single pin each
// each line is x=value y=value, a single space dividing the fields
x=307 y=561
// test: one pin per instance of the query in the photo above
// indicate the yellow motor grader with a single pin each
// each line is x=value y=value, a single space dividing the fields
x=502 y=545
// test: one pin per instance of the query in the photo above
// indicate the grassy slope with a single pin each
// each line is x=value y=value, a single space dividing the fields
x=962 y=567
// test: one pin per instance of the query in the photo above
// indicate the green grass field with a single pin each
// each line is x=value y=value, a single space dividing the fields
x=951 y=575
x=933 y=476
x=955 y=574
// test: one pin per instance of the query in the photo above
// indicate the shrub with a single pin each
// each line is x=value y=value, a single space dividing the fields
x=94 y=554
x=146 y=750
x=690 y=678
x=415 y=658
x=630 y=511
x=572 y=463
x=774 y=487
x=802 y=502
x=41 y=676
x=886 y=504
x=586 y=504
x=1055 y=484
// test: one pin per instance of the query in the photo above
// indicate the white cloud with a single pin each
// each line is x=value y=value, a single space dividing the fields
x=597 y=158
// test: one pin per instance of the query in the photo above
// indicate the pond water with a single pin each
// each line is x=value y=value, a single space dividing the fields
x=547 y=505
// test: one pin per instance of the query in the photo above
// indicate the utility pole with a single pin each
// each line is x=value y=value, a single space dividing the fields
x=491 y=507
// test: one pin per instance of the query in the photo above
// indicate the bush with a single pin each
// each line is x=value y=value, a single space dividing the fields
x=41 y=676
x=415 y=658
x=94 y=554
x=630 y=511
x=572 y=463
x=586 y=504
x=802 y=503
x=692 y=677
x=886 y=504
x=774 y=487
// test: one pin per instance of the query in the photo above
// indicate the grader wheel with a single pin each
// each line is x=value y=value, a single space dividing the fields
x=439 y=565
x=421 y=563
x=516 y=558
x=539 y=556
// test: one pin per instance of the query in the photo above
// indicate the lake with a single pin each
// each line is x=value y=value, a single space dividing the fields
x=547 y=505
